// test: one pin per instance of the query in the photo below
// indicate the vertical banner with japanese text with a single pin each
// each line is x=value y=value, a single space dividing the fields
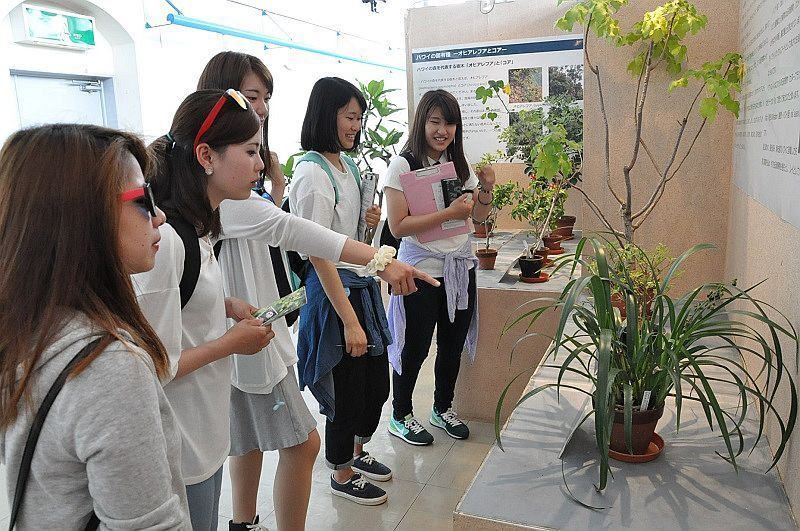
x=533 y=69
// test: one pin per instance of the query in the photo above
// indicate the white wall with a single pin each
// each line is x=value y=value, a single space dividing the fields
x=154 y=69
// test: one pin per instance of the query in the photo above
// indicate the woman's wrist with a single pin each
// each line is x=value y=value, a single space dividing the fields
x=382 y=258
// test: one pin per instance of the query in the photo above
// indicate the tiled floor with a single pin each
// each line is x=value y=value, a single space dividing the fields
x=428 y=481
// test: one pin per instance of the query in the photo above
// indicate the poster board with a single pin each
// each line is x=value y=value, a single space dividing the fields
x=534 y=69
x=766 y=151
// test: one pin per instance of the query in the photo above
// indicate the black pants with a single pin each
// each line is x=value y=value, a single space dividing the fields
x=361 y=387
x=425 y=309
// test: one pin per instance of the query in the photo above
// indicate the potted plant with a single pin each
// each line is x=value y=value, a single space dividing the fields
x=500 y=197
x=379 y=137
x=530 y=265
x=658 y=39
x=556 y=163
x=676 y=353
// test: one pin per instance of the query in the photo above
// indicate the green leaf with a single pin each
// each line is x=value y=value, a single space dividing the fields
x=708 y=108
x=682 y=82
x=491 y=115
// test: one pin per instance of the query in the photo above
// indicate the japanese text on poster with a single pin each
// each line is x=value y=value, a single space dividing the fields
x=767 y=145
x=534 y=69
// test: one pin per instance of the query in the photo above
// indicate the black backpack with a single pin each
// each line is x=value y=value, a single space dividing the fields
x=191 y=263
x=387 y=238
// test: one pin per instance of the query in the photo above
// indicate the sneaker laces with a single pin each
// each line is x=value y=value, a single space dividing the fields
x=360 y=482
x=366 y=458
x=414 y=425
x=257 y=527
x=450 y=417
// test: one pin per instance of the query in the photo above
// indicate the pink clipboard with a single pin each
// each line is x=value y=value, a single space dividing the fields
x=423 y=191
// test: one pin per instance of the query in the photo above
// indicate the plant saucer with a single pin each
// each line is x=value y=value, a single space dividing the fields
x=653 y=451
x=556 y=251
x=543 y=277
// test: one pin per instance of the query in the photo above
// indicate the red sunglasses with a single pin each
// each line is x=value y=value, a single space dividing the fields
x=142 y=196
x=230 y=95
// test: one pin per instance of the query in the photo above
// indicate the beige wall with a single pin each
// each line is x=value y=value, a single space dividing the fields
x=694 y=208
x=763 y=246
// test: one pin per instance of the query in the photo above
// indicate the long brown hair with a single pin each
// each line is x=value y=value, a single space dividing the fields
x=59 y=218
x=180 y=184
x=416 y=142
x=227 y=70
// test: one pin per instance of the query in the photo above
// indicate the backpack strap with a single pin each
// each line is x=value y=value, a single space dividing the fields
x=318 y=159
x=35 y=431
x=413 y=162
x=191 y=259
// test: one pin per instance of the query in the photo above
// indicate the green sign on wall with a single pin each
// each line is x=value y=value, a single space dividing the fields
x=48 y=26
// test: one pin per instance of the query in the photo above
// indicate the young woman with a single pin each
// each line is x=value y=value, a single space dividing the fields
x=67 y=256
x=210 y=154
x=435 y=137
x=267 y=409
x=343 y=332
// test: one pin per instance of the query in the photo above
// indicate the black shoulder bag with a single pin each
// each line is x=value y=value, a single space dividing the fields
x=33 y=437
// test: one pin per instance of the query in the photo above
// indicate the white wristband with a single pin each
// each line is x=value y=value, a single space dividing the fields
x=381 y=259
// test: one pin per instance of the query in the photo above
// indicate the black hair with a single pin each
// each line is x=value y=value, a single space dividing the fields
x=320 y=132
x=179 y=182
x=228 y=70
x=418 y=145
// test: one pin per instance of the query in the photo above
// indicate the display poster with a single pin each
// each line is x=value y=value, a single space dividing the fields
x=533 y=68
x=767 y=142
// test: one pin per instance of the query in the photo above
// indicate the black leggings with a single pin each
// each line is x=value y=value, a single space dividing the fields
x=425 y=309
x=361 y=387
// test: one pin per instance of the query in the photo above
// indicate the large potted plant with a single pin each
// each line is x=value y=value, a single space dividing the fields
x=689 y=348
x=658 y=44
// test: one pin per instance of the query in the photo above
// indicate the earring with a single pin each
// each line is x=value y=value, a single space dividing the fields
x=209 y=171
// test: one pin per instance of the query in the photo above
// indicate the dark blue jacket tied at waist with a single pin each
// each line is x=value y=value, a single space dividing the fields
x=319 y=343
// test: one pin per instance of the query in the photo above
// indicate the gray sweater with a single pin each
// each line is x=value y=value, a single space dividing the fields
x=110 y=444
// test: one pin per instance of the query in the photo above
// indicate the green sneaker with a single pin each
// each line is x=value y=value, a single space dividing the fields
x=410 y=430
x=450 y=423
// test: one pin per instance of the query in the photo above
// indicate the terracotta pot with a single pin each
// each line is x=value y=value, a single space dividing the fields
x=531 y=267
x=566 y=221
x=552 y=242
x=543 y=252
x=564 y=232
x=618 y=302
x=480 y=229
x=644 y=425
x=486 y=258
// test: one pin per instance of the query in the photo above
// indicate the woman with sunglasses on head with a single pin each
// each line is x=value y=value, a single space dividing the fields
x=210 y=154
x=67 y=259
x=267 y=410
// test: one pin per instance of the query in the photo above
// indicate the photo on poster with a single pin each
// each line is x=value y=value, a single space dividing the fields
x=526 y=85
x=566 y=80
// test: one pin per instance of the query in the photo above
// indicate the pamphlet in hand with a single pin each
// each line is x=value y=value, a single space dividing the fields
x=281 y=307
x=369 y=181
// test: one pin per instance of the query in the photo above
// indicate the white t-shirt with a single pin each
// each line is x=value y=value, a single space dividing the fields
x=433 y=266
x=249 y=227
x=200 y=399
x=312 y=196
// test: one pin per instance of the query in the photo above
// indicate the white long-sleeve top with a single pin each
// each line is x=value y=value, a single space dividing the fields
x=200 y=399
x=249 y=227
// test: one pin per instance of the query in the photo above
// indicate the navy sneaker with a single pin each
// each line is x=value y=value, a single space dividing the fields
x=359 y=490
x=410 y=430
x=371 y=467
x=450 y=423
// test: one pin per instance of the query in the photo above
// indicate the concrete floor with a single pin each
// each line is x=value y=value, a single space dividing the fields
x=428 y=481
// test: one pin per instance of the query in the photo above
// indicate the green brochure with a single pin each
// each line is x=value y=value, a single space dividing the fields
x=281 y=307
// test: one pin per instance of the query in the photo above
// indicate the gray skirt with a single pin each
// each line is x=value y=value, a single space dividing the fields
x=278 y=420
